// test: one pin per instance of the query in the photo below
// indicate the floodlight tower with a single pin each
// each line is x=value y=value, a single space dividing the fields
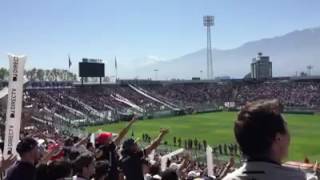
x=208 y=21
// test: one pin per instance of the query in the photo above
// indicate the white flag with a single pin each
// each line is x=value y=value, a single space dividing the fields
x=93 y=139
x=14 y=106
x=209 y=161
x=165 y=158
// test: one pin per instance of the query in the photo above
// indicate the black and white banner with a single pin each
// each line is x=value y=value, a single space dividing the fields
x=14 y=107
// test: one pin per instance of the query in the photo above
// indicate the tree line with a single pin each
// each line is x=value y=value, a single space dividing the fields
x=43 y=74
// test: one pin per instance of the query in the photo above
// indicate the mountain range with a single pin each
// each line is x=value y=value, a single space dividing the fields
x=289 y=53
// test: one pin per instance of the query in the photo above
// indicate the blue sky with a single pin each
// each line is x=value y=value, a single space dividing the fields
x=48 y=30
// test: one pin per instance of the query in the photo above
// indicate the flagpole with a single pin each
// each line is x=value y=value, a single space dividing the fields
x=69 y=64
x=116 y=67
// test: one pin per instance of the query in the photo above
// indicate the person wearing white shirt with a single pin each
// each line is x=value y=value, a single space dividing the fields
x=264 y=138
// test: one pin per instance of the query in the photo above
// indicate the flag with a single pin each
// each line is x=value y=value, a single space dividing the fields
x=70 y=63
x=209 y=161
x=116 y=67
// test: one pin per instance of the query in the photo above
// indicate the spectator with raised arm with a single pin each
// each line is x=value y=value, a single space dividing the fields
x=107 y=149
x=133 y=156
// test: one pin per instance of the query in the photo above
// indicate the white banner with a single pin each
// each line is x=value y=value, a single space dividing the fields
x=14 y=107
x=165 y=158
x=93 y=139
x=209 y=161
x=151 y=155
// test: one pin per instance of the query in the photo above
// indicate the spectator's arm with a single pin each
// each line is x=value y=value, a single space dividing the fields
x=124 y=131
x=183 y=165
x=315 y=174
x=81 y=142
x=156 y=142
x=226 y=168
x=45 y=159
x=98 y=153
x=6 y=163
x=185 y=162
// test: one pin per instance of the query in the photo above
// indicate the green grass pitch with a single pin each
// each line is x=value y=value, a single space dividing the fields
x=218 y=128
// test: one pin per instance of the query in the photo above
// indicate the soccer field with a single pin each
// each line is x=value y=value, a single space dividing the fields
x=217 y=128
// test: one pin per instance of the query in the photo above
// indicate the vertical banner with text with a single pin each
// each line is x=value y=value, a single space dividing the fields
x=14 y=107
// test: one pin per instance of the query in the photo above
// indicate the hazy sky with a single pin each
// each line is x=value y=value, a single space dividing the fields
x=48 y=30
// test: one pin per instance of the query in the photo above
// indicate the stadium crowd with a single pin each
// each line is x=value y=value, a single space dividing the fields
x=291 y=93
x=260 y=131
x=192 y=94
x=67 y=100
x=45 y=155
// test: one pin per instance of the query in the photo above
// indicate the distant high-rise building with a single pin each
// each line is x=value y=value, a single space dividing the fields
x=261 y=67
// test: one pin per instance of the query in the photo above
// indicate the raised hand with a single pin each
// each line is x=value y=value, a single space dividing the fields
x=231 y=162
x=125 y=130
x=187 y=155
x=315 y=167
x=6 y=163
x=155 y=143
x=164 y=131
x=134 y=119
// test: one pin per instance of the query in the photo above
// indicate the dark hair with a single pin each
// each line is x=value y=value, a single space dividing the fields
x=68 y=142
x=257 y=125
x=127 y=144
x=26 y=145
x=74 y=154
x=59 y=169
x=89 y=145
x=101 y=169
x=75 y=139
x=82 y=161
x=169 y=174
x=154 y=169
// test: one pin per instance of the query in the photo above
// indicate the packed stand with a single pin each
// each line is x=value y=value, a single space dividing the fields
x=140 y=100
x=45 y=155
x=40 y=100
x=192 y=94
x=260 y=131
x=291 y=94
x=303 y=94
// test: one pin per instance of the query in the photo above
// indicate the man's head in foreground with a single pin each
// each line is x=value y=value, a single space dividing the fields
x=261 y=131
x=27 y=148
x=130 y=146
x=84 y=166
